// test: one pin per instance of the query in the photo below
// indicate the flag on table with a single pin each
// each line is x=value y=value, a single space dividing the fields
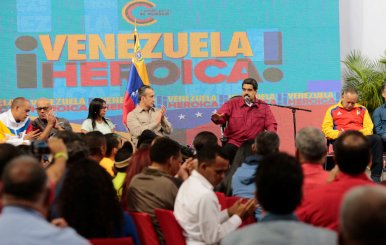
x=137 y=78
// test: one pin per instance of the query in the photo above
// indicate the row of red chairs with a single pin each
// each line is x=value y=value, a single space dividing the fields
x=172 y=231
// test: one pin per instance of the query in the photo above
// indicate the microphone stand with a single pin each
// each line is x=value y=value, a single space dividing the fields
x=293 y=109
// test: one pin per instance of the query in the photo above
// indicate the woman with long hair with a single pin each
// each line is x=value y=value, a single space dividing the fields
x=139 y=160
x=89 y=204
x=96 y=120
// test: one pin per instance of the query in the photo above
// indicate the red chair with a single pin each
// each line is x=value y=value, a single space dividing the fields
x=222 y=200
x=231 y=200
x=170 y=228
x=145 y=228
x=112 y=241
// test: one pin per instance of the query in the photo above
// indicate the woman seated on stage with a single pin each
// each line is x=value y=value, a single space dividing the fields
x=96 y=120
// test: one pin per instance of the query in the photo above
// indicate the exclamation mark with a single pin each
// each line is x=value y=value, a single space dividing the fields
x=273 y=56
x=26 y=63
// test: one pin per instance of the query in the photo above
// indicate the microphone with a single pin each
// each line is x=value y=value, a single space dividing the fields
x=247 y=100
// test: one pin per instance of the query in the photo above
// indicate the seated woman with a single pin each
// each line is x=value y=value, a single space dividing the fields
x=96 y=120
x=89 y=204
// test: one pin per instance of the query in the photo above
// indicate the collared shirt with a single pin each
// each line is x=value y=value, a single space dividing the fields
x=20 y=225
x=321 y=206
x=139 y=120
x=40 y=124
x=281 y=229
x=339 y=119
x=198 y=212
x=17 y=130
x=379 y=119
x=314 y=176
x=246 y=122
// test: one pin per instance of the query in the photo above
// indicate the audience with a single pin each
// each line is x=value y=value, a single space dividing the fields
x=96 y=120
x=197 y=208
x=88 y=202
x=363 y=216
x=311 y=152
x=156 y=186
x=279 y=191
x=244 y=178
x=121 y=163
x=321 y=205
x=96 y=143
x=113 y=143
x=7 y=153
x=26 y=203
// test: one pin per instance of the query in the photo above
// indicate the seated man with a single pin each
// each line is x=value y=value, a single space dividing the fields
x=379 y=117
x=348 y=115
x=279 y=191
x=311 y=152
x=26 y=203
x=320 y=206
x=246 y=116
x=156 y=186
x=145 y=116
x=46 y=122
x=19 y=128
x=362 y=216
x=197 y=208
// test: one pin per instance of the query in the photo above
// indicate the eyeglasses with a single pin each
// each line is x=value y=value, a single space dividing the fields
x=42 y=108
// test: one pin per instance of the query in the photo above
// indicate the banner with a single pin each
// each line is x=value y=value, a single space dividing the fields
x=197 y=54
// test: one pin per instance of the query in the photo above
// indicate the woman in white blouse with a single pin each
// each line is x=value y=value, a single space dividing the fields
x=96 y=120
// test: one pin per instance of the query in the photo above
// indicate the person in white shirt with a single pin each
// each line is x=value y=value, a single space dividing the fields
x=96 y=120
x=197 y=209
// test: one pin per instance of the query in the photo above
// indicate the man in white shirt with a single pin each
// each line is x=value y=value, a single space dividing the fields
x=197 y=209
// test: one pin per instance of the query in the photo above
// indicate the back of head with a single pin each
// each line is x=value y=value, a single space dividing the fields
x=163 y=149
x=88 y=200
x=279 y=180
x=112 y=141
x=76 y=146
x=96 y=142
x=266 y=143
x=363 y=216
x=203 y=138
x=24 y=179
x=7 y=153
x=123 y=156
x=146 y=137
x=311 y=143
x=352 y=152
x=208 y=154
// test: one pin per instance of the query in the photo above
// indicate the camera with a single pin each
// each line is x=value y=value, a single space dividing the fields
x=39 y=148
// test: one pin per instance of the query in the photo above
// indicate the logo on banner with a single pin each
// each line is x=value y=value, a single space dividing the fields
x=142 y=12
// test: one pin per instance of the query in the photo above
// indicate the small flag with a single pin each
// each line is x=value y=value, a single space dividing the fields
x=137 y=78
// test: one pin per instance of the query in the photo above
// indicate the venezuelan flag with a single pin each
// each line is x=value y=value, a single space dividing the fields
x=137 y=78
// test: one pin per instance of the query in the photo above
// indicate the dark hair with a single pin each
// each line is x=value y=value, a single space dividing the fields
x=267 y=143
x=24 y=179
x=142 y=90
x=88 y=201
x=383 y=87
x=94 y=111
x=76 y=145
x=352 y=152
x=139 y=160
x=203 y=138
x=112 y=141
x=95 y=140
x=208 y=154
x=279 y=180
x=162 y=149
x=123 y=155
x=7 y=153
x=146 y=137
x=250 y=81
x=349 y=89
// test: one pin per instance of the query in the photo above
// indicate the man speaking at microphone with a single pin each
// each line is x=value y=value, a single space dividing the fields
x=145 y=116
x=247 y=116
